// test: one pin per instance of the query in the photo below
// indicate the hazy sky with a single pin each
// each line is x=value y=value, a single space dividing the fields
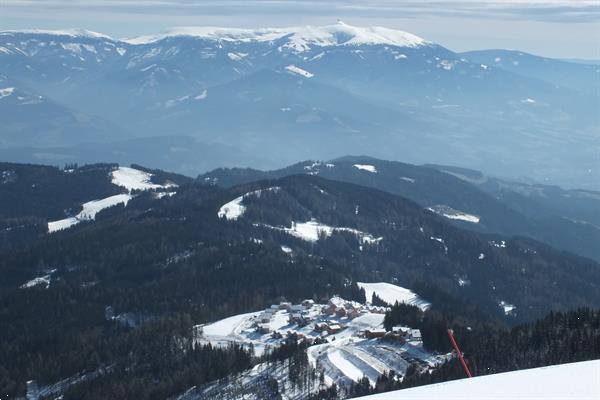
x=555 y=28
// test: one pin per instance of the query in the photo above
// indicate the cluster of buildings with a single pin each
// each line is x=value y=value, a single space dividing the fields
x=327 y=320
x=402 y=333
x=350 y=309
x=298 y=314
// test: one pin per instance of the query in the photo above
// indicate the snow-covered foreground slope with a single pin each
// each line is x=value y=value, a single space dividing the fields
x=567 y=381
x=392 y=294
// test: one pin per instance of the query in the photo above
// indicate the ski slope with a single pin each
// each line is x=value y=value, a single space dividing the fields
x=579 y=381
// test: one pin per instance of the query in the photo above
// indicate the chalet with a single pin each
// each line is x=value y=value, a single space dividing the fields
x=352 y=312
x=340 y=312
x=296 y=308
x=334 y=328
x=284 y=305
x=375 y=333
x=415 y=334
x=329 y=309
x=333 y=304
x=295 y=318
x=274 y=308
x=264 y=328
x=401 y=330
x=321 y=326
x=265 y=317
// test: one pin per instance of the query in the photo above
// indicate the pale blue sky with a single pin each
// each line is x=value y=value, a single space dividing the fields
x=555 y=28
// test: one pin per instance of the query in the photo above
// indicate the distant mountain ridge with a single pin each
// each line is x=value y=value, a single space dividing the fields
x=565 y=219
x=345 y=90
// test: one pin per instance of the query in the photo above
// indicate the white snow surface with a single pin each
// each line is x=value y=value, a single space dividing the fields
x=336 y=357
x=236 y=56
x=392 y=293
x=312 y=230
x=235 y=209
x=39 y=281
x=577 y=381
x=6 y=92
x=451 y=213
x=134 y=179
x=366 y=167
x=299 y=71
x=228 y=326
x=232 y=210
x=90 y=209
x=298 y=39
x=130 y=179
x=74 y=33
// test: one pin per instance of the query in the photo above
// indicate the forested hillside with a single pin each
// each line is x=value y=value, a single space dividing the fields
x=125 y=289
x=565 y=219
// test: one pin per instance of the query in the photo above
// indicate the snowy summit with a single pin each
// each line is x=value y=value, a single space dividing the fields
x=298 y=39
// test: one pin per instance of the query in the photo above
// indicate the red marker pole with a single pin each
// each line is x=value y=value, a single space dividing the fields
x=459 y=354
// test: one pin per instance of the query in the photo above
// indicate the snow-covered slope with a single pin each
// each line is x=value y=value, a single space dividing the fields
x=235 y=209
x=568 y=381
x=450 y=213
x=134 y=179
x=392 y=294
x=90 y=209
x=125 y=177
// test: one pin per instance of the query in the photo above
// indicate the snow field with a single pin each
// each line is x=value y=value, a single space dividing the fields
x=90 y=209
x=234 y=209
x=134 y=179
x=392 y=294
x=299 y=71
x=366 y=167
x=577 y=381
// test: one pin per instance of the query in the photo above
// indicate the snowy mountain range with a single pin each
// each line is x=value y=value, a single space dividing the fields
x=303 y=92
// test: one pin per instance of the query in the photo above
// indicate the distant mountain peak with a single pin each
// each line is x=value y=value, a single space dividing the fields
x=299 y=38
x=74 y=33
